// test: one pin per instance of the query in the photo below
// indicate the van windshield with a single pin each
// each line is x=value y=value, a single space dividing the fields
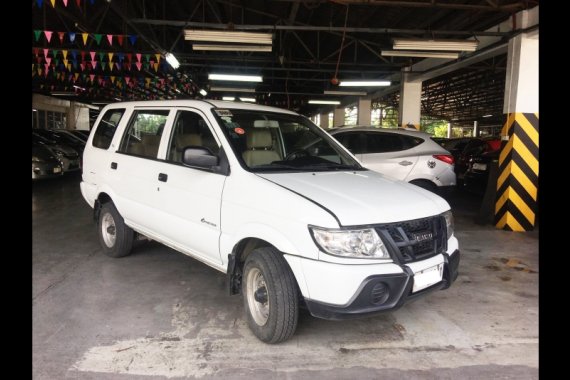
x=269 y=141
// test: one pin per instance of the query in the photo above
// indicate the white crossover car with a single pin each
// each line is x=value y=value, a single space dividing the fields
x=404 y=154
x=230 y=184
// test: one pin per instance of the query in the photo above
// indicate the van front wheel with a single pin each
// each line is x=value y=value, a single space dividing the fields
x=115 y=236
x=270 y=295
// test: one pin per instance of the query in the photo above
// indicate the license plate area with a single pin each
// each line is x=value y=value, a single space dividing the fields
x=478 y=166
x=57 y=169
x=427 y=277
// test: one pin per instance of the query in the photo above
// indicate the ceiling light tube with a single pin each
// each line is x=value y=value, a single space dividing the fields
x=172 y=61
x=262 y=48
x=364 y=83
x=232 y=89
x=445 y=45
x=252 y=100
x=203 y=92
x=228 y=36
x=238 y=78
x=355 y=93
x=423 y=54
x=316 y=101
x=229 y=98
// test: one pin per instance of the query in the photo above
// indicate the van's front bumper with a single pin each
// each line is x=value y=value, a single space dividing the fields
x=384 y=292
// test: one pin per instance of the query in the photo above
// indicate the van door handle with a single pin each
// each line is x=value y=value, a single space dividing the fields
x=113 y=165
x=162 y=177
x=405 y=163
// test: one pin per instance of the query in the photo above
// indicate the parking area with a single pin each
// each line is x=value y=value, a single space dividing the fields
x=159 y=314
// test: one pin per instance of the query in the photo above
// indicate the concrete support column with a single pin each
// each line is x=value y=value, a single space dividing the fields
x=517 y=182
x=324 y=121
x=70 y=116
x=448 y=130
x=338 y=118
x=410 y=102
x=475 y=129
x=364 y=111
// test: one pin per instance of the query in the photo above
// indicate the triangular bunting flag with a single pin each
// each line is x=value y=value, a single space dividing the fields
x=54 y=52
x=48 y=34
x=82 y=55
x=94 y=64
x=65 y=63
x=162 y=81
x=74 y=62
x=36 y=51
x=145 y=65
x=157 y=57
x=112 y=79
x=78 y=2
x=120 y=38
x=129 y=57
x=40 y=3
x=82 y=65
x=110 y=56
x=110 y=39
x=46 y=65
x=91 y=77
x=101 y=56
x=55 y=62
x=64 y=52
x=127 y=79
x=40 y=73
x=147 y=57
x=84 y=35
x=139 y=57
x=118 y=65
x=74 y=54
x=48 y=60
x=75 y=76
x=100 y=80
x=92 y=2
x=133 y=39
x=97 y=37
x=52 y=3
x=92 y=54
x=103 y=65
x=61 y=35
x=37 y=34
x=155 y=66
x=147 y=80
x=46 y=51
x=65 y=2
x=139 y=65
x=71 y=36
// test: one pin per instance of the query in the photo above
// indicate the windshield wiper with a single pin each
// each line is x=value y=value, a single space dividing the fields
x=276 y=167
x=330 y=165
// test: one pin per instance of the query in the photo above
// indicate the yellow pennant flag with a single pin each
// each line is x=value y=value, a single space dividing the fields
x=39 y=71
x=112 y=79
x=155 y=65
x=110 y=59
x=64 y=52
x=157 y=57
x=65 y=62
x=69 y=66
x=84 y=35
x=147 y=84
x=119 y=84
x=52 y=3
x=76 y=76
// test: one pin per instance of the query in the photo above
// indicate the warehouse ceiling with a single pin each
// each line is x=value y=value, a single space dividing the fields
x=98 y=51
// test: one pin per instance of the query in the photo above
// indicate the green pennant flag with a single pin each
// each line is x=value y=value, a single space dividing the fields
x=147 y=57
x=101 y=56
x=37 y=34
x=97 y=37
x=54 y=52
x=104 y=65
x=145 y=65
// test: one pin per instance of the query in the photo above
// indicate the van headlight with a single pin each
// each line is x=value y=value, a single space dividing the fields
x=363 y=243
x=449 y=223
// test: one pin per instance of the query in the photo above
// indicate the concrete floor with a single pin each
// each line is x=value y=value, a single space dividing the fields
x=158 y=314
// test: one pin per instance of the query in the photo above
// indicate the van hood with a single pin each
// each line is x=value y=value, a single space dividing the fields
x=362 y=197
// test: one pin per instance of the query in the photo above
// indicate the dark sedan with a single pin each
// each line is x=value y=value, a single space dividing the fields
x=44 y=163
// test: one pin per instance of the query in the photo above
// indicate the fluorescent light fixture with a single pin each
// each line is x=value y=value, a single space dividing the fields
x=232 y=47
x=247 y=100
x=364 y=83
x=118 y=99
x=355 y=93
x=203 y=92
x=237 y=78
x=228 y=36
x=445 y=45
x=172 y=61
x=487 y=115
x=232 y=89
x=63 y=93
x=34 y=110
x=79 y=88
x=230 y=98
x=423 y=54
x=315 y=101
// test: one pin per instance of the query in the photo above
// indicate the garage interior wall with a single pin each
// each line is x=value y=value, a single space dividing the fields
x=77 y=114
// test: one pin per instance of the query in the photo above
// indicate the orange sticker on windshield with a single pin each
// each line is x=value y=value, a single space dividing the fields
x=239 y=131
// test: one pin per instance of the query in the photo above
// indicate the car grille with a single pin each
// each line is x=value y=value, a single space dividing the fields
x=417 y=239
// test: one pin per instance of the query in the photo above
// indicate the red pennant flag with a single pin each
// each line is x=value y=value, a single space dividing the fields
x=46 y=65
x=48 y=60
x=78 y=2
x=127 y=79
x=139 y=55
x=120 y=38
x=129 y=57
x=94 y=64
x=82 y=65
x=92 y=53
x=139 y=65
x=82 y=55
x=61 y=35
x=110 y=39
x=36 y=51
x=100 y=80
x=65 y=2
x=91 y=76
x=48 y=34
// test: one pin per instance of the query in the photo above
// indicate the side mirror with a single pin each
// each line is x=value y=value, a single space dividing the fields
x=199 y=157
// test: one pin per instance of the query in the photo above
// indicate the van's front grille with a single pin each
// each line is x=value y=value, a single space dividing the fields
x=417 y=239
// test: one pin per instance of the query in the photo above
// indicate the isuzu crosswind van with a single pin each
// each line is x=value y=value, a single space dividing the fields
x=273 y=201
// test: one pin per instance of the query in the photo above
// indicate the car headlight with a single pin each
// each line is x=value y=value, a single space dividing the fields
x=363 y=243
x=449 y=223
x=36 y=159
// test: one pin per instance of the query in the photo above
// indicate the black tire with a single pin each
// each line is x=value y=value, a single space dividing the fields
x=425 y=184
x=114 y=224
x=281 y=296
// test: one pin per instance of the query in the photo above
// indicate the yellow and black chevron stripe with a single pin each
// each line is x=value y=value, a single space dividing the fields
x=517 y=185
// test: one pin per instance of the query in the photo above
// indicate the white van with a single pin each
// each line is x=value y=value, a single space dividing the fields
x=229 y=184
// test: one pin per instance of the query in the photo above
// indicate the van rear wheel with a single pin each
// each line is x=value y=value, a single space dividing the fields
x=115 y=236
x=270 y=295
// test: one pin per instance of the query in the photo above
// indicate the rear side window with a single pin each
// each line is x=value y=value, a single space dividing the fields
x=107 y=127
x=383 y=142
x=351 y=141
x=409 y=142
x=142 y=137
